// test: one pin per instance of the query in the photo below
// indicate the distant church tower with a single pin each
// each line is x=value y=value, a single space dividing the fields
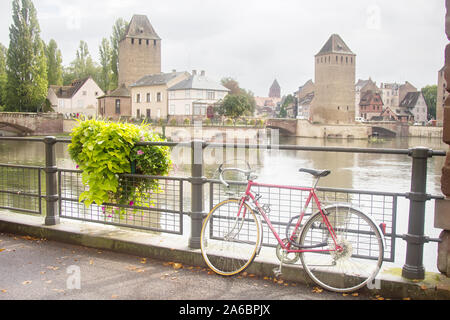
x=334 y=92
x=275 y=90
x=139 y=51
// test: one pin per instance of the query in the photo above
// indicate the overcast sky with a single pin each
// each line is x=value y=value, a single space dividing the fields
x=257 y=41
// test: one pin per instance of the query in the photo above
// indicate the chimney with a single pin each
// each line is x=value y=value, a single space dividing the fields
x=202 y=73
x=194 y=72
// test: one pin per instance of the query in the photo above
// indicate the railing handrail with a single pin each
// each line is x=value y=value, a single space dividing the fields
x=431 y=152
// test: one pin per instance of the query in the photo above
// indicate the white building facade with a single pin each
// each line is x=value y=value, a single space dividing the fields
x=191 y=98
x=80 y=98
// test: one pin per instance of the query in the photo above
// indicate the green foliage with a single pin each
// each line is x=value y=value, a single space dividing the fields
x=118 y=33
x=238 y=102
x=26 y=87
x=105 y=64
x=54 y=64
x=103 y=150
x=3 y=76
x=82 y=67
x=430 y=96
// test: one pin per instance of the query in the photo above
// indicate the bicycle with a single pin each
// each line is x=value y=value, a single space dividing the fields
x=340 y=247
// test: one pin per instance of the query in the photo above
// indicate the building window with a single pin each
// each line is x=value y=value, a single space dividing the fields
x=211 y=95
x=154 y=43
x=117 y=106
x=158 y=97
x=199 y=109
x=140 y=41
x=138 y=113
x=84 y=93
x=172 y=94
x=138 y=98
x=187 y=109
x=187 y=93
x=148 y=97
x=132 y=41
x=148 y=113
x=171 y=109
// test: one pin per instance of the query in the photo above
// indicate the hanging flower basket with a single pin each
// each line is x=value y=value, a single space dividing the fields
x=104 y=150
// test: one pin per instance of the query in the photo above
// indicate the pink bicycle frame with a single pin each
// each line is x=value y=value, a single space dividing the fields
x=312 y=195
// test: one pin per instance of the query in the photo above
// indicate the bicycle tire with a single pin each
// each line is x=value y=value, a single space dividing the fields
x=351 y=268
x=229 y=244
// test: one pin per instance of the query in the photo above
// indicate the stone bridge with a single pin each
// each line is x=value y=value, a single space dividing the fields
x=303 y=128
x=22 y=124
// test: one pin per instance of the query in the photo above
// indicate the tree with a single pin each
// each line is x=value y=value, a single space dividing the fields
x=105 y=64
x=82 y=67
x=3 y=76
x=288 y=101
x=234 y=106
x=54 y=64
x=119 y=29
x=430 y=96
x=26 y=66
x=232 y=85
x=236 y=90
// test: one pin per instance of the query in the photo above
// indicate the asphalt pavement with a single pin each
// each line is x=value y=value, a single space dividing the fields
x=40 y=269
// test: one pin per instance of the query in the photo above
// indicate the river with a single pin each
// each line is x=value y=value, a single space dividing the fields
x=374 y=172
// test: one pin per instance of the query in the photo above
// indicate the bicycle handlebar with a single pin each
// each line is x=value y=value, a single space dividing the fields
x=222 y=171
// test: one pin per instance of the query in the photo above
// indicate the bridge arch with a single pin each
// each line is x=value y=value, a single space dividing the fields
x=383 y=132
x=286 y=126
x=15 y=128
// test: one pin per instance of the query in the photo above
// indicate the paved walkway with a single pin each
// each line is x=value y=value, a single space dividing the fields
x=79 y=260
x=33 y=268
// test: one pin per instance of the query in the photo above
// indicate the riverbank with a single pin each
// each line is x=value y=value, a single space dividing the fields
x=304 y=129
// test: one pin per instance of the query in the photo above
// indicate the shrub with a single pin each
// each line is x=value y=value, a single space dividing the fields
x=103 y=150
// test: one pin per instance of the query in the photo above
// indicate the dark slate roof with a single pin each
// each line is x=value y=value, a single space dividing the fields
x=335 y=44
x=156 y=79
x=67 y=92
x=410 y=100
x=198 y=82
x=141 y=28
x=121 y=91
x=306 y=100
x=369 y=97
x=275 y=85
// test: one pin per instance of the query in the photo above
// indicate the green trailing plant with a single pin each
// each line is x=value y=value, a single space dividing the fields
x=104 y=150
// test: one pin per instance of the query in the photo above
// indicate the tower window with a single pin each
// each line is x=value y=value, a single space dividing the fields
x=154 y=43
x=140 y=41
x=346 y=59
x=132 y=41
x=147 y=41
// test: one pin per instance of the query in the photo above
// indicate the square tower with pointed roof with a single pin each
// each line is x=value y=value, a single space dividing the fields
x=139 y=51
x=334 y=93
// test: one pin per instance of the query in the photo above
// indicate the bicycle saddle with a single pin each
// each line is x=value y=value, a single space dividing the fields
x=316 y=173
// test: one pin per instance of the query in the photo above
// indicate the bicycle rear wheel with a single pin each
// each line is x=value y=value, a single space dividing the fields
x=356 y=263
x=229 y=242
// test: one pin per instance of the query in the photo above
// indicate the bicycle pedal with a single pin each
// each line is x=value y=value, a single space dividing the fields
x=277 y=272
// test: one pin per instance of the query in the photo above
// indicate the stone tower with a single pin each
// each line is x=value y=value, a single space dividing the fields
x=334 y=93
x=275 y=90
x=139 y=51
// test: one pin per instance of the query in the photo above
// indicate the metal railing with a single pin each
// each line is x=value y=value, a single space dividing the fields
x=164 y=212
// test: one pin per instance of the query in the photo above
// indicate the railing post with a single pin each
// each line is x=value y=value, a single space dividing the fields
x=197 y=181
x=413 y=267
x=52 y=216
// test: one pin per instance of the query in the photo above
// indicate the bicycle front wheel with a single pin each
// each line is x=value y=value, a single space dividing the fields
x=230 y=237
x=347 y=261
